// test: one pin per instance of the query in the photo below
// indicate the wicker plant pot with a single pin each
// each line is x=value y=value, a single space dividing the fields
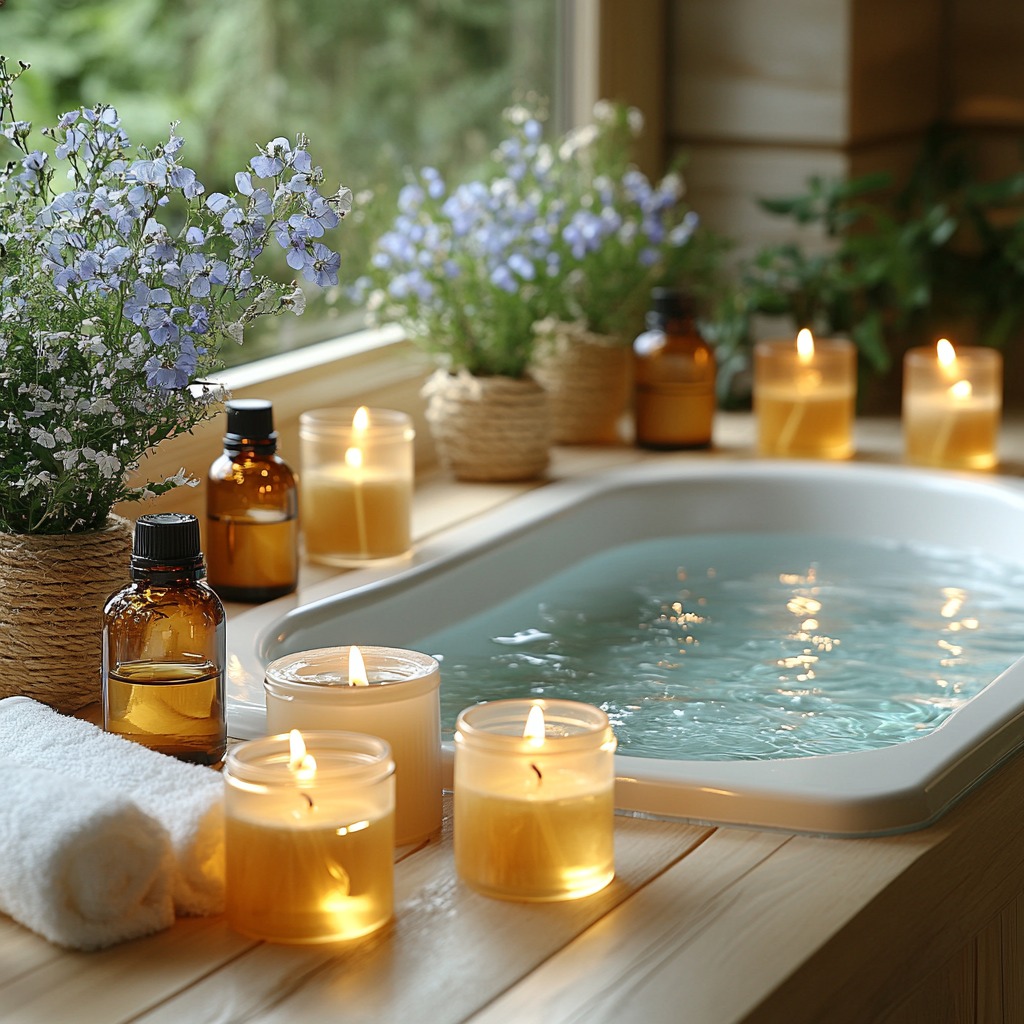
x=52 y=592
x=589 y=378
x=489 y=428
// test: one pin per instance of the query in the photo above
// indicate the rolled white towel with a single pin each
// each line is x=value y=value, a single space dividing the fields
x=81 y=865
x=187 y=799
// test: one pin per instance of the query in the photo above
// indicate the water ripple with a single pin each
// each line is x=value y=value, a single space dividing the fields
x=748 y=646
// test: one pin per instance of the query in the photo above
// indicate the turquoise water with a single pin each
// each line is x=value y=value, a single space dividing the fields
x=747 y=646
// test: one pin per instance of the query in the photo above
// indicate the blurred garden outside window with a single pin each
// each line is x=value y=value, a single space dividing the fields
x=378 y=86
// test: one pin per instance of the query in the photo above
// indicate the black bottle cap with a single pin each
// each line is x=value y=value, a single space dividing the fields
x=670 y=304
x=167 y=540
x=250 y=423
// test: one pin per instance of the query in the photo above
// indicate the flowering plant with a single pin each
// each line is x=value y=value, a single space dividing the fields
x=570 y=232
x=620 y=234
x=115 y=295
x=462 y=271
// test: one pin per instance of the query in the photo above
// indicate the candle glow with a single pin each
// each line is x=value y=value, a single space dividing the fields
x=951 y=406
x=309 y=840
x=534 y=728
x=534 y=811
x=356 y=484
x=805 y=346
x=381 y=691
x=804 y=397
x=356 y=668
x=303 y=764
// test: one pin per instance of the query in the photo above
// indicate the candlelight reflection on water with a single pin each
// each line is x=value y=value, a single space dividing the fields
x=690 y=644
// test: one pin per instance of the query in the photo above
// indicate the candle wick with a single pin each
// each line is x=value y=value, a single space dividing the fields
x=537 y=770
x=308 y=799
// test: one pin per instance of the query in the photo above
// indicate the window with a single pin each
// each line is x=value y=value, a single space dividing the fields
x=377 y=85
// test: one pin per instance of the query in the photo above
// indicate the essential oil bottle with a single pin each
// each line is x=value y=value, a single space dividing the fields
x=674 y=376
x=163 y=646
x=252 y=509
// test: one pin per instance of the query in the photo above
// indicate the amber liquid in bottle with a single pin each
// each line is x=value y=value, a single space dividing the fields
x=252 y=524
x=674 y=377
x=164 y=647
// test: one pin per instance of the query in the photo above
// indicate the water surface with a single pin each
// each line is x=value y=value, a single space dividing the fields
x=747 y=646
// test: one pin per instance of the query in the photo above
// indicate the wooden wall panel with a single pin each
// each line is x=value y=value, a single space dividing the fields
x=754 y=71
x=896 y=68
x=985 y=73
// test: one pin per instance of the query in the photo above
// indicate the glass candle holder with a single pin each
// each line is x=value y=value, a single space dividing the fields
x=309 y=836
x=356 y=484
x=534 y=799
x=395 y=694
x=804 y=397
x=952 y=405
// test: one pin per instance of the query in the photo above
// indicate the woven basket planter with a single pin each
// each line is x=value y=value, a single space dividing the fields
x=589 y=378
x=489 y=428
x=52 y=592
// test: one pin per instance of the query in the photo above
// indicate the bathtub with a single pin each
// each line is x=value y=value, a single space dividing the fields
x=452 y=575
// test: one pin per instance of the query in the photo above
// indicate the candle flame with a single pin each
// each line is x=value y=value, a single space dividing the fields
x=361 y=420
x=356 y=668
x=961 y=391
x=946 y=353
x=534 y=731
x=804 y=346
x=303 y=764
x=354 y=458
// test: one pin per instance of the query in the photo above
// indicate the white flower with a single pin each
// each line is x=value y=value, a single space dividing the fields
x=42 y=437
x=108 y=465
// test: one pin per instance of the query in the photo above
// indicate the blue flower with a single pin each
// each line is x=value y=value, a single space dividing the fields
x=323 y=267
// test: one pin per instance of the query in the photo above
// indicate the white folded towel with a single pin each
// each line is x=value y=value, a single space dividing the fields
x=82 y=866
x=187 y=799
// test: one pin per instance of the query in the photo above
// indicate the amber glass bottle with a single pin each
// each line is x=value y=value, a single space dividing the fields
x=252 y=509
x=674 y=376
x=163 y=646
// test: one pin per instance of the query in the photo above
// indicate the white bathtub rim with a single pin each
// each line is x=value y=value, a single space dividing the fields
x=858 y=798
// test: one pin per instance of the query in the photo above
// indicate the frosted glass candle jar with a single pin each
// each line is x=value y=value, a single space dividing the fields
x=952 y=405
x=804 y=397
x=534 y=813
x=356 y=484
x=395 y=694
x=309 y=836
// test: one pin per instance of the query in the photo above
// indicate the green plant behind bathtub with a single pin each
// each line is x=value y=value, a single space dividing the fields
x=942 y=255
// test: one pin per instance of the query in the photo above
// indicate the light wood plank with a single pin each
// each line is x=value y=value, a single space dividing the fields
x=21 y=952
x=110 y=985
x=660 y=956
x=448 y=950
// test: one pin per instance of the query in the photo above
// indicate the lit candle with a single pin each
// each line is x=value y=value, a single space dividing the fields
x=309 y=836
x=804 y=397
x=356 y=484
x=383 y=691
x=952 y=402
x=534 y=799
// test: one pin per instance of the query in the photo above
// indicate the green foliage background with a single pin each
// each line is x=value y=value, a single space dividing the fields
x=377 y=85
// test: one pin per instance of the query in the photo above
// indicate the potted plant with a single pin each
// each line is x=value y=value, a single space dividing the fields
x=118 y=283
x=617 y=235
x=538 y=270
x=463 y=270
x=894 y=268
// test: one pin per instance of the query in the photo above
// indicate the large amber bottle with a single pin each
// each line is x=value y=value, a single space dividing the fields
x=252 y=508
x=164 y=646
x=674 y=376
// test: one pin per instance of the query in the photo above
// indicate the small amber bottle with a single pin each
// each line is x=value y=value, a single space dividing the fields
x=163 y=646
x=252 y=509
x=674 y=376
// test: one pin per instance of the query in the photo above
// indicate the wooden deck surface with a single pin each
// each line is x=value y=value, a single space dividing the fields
x=700 y=924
